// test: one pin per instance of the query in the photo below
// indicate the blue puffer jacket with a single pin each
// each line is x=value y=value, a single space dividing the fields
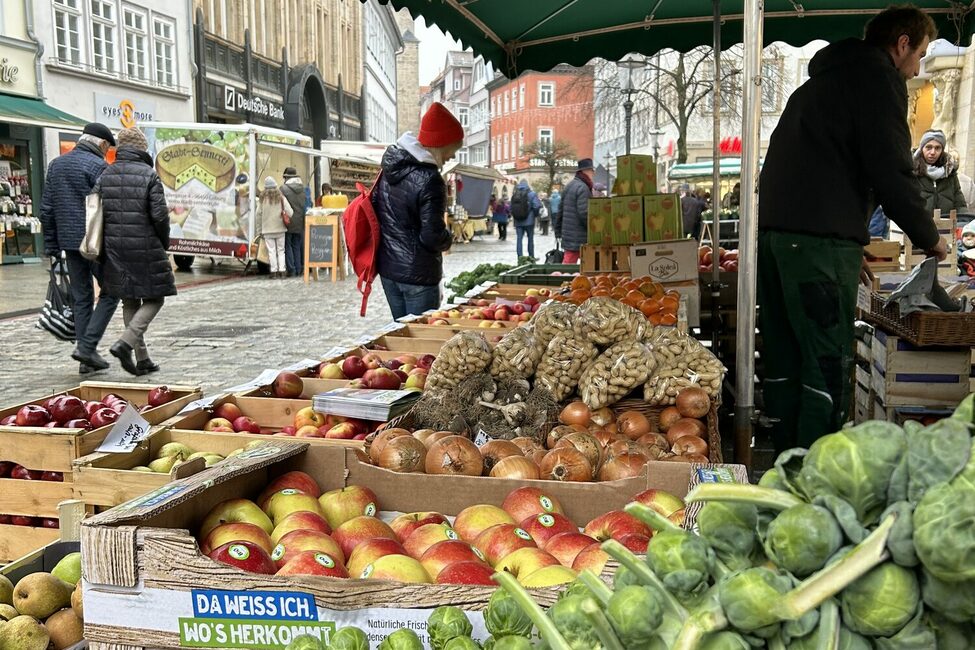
x=534 y=206
x=409 y=204
x=70 y=178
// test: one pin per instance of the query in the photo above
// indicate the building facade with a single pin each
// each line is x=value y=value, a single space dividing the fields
x=478 y=140
x=407 y=77
x=381 y=45
x=452 y=88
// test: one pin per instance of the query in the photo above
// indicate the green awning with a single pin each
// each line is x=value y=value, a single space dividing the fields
x=516 y=35
x=705 y=169
x=35 y=112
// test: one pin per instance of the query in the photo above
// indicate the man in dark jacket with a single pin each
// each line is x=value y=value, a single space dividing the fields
x=841 y=145
x=692 y=207
x=70 y=178
x=525 y=218
x=296 y=194
x=572 y=224
x=409 y=202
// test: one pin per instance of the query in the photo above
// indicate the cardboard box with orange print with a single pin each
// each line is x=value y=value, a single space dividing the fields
x=662 y=217
x=635 y=175
x=627 y=220
x=600 y=222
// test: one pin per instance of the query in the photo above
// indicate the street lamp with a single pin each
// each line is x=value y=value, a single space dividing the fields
x=627 y=66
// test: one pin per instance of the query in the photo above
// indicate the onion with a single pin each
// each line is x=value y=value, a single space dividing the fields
x=685 y=427
x=565 y=464
x=623 y=447
x=693 y=402
x=454 y=455
x=623 y=466
x=633 y=424
x=588 y=445
x=690 y=445
x=403 y=454
x=603 y=416
x=612 y=427
x=435 y=436
x=668 y=416
x=560 y=432
x=655 y=440
x=381 y=440
x=530 y=447
x=517 y=467
x=605 y=438
x=575 y=413
x=494 y=450
x=688 y=458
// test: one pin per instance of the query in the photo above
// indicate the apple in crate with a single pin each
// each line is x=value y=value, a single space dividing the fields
x=663 y=502
x=407 y=360
x=111 y=398
x=341 y=431
x=401 y=568
x=593 y=557
x=21 y=473
x=287 y=385
x=314 y=563
x=355 y=531
x=525 y=502
x=302 y=520
x=526 y=561
x=381 y=379
x=371 y=550
x=227 y=411
x=473 y=520
x=160 y=395
x=372 y=361
x=308 y=416
x=238 y=531
x=342 y=504
x=544 y=527
x=67 y=407
x=311 y=431
x=305 y=540
x=55 y=477
x=426 y=536
x=466 y=573
x=283 y=503
x=416 y=380
x=234 y=510
x=635 y=542
x=331 y=371
x=405 y=524
x=425 y=361
x=295 y=480
x=286 y=431
x=22 y=520
x=246 y=424
x=353 y=367
x=500 y=541
x=219 y=424
x=566 y=546
x=50 y=522
x=450 y=551
x=78 y=424
x=32 y=415
x=550 y=576
x=247 y=556
x=9 y=421
x=103 y=416
x=615 y=524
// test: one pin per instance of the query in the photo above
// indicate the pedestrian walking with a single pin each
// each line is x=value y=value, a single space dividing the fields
x=273 y=216
x=296 y=194
x=500 y=215
x=545 y=214
x=409 y=200
x=572 y=225
x=70 y=178
x=554 y=205
x=692 y=207
x=937 y=175
x=525 y=208
x=137 y=269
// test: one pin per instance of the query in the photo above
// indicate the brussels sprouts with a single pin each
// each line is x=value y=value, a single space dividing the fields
x=852 y=641
x=503 y=617
x=572 y=622
x=724 y=641
x=462 y=643
x=623 y=577
x=845 y=516
x=305 y=642
x=445 y=623
x=936 y=454
x=402 y=639
x=349 y=638
x=951 y=636
x=682 y=560
x=901 y=540
x=748 y=597
x=772 y=479
x=635 y=615
x=916 y=634
x=955 y=601
x=576 y=588
x=511 y=643
x=966 y=410
x=881 y=602
x=730 y=530
x=802 y=538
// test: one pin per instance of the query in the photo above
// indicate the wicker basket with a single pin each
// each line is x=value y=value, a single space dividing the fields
x=923 y=328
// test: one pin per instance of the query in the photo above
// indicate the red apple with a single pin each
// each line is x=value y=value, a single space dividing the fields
x=214 y=424
x=407 y=359
x=381 y=379
x=592 y=557
x=110 y=399
x=636 y=542
x=425 y=361
x=9 y=421
x=360 y=436
x=238 y=531
x=371 y=550
x=21 y=473
x=525 y=502
x=32 y=415
x=501 y=541
x=566 y=546
x=405 y=524
x=309 y=431
x=245 y=424
x=287 y=385
x=341 y=431
x=342 y=504
x=244 y=555
x=300 y=520
x=426 y=536
x=525 y=561
x=355 y=531
x=615 y=524
x=160 y=395
x=314 y=563
x=401 y=375
x=663 y=502
x=102 y=417
x=56 y=477
x=68 y=407
x=450 y=551
x=353 y=367
x=228 y=411
x=392 y=364
x=78 y=424
x=308 y=416
x=544 y=527
x=518 y=309
x=372 y=361
x=118 y=407
x=5 y=467
x=22 y=520
x=50 y=522
x=466 y=573
x=51 y=425
x=295 y=480
x=305 y=540
x=286 y=431
x=473 y=520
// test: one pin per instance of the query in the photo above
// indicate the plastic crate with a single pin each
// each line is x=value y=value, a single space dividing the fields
x=539 y=274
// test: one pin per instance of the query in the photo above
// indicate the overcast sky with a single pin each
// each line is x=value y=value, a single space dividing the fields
x=434 y=46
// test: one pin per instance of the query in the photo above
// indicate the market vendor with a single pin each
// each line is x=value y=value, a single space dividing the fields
x=841 y=145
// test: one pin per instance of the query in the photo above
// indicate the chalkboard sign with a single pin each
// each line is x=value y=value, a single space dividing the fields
x=320 y=243
x=323 y=245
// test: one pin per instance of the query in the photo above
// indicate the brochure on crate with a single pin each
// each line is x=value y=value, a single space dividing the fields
x=365 y=403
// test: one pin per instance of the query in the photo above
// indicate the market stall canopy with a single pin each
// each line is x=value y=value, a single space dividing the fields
x=705 y=169
x=475 y=185
x=472 y=171
x=517 y=36
x=36 y=112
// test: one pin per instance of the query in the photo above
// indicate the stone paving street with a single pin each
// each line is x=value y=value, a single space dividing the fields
x=220 y=334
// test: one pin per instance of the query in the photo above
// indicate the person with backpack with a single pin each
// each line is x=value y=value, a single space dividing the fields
x=499 y=214
x=295 y=193
x=572 y=224
x=525 y=207
x=409 y=198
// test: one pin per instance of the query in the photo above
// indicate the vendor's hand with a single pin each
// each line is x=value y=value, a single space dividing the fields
x=940 y=251
x=866 y=274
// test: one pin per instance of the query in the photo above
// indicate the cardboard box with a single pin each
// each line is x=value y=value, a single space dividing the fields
x=692 y=290
x=635 y=175
x=600 y=222
x=627 y=220
x=666 y=261
x=662 y=217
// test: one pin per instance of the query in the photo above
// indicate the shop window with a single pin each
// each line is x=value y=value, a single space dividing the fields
x=103 y=35
x=67 y=31
x=136 y=44
x=163 y=44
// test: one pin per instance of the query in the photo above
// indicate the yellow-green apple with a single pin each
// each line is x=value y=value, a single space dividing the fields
x=466 y=573
x=310 y=431
x=314 y=563
x=401 y=568
x=485 y=324
x=678 y=517
x=592 y=557
x=305 y=540
x=355 y=531
x=407 y=360
x=283 y=503
x=663 y=502
x=331 y=371
x=234 y=510
x=287 y=385
x=549 y=576
x=450 y=551
x=546 y=526
x=473 y=520
x=218 y=423
x=526 y=502
x=526 y=561
x=247 y=556
x=566 y=546
x=635 y=542
x=346 y=503
x=426 y=536
x=238 y=531
x=246 y=424
x=371 y=550
x=308 y=416
x=295 y=480
x=372 y=361
x=418 y=380
x=353 y=367
x=501 y=541
x=614 y=524
x=531 y=292
x=301 y=520
x=454 y=313
x=405 y=524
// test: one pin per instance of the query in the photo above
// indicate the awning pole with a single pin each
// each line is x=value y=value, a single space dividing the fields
x=715 y=285
x=748 y=244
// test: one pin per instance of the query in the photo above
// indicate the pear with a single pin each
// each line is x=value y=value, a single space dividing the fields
x=6 y=590
x=68 y=569
x=25 y=633
x=41 y=594
x=142 y=468
x=8 y=612
x=77 y=604
x=235 y=452
x=212 y=459
x=165 y=464
x=174 y=449
x=65 y=629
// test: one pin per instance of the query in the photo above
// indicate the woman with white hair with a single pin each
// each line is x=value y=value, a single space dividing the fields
x=937 y=175
x=273 y=215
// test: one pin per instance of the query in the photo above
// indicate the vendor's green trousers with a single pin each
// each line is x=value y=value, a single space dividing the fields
x=807 y=289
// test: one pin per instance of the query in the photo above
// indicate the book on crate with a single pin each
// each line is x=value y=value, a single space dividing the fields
x=365 y=403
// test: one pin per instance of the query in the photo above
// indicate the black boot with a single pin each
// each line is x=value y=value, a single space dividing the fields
x=146 y=366
x=92 y=359
x=123 y=352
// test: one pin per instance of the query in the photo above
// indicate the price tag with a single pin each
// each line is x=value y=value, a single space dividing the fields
x=304 y=364
x=481 y=438
x=130 y=429
x=206 y=402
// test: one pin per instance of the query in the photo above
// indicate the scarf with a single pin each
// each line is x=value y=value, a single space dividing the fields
x=585 y=179
x=936 y=173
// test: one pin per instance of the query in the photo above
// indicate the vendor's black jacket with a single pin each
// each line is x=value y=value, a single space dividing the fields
x=842 y=146
x=409 y=204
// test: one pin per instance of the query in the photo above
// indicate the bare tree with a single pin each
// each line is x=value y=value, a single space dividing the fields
x=550 y=155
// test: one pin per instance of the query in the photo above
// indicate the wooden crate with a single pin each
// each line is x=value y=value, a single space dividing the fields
x=905 y=375
x=883 y=256
x=39 y=549
x=603 y=259
x=911 y=256
x=142 y=558
x=409 y=344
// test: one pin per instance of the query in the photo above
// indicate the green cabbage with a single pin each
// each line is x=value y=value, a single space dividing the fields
x=748 y=598
x=802 y=538
x=730 y=529
x=881 y=602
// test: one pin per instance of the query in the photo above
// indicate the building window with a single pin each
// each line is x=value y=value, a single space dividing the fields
x=67 y=32
x=136 y=36
x=545 y=137
x=163 y=44
x=521 y=97
x=457 y=84
x=507 y=103
x=546 y=94
x=504 y=153
x=521 y=140
x=771 y=80
x=463 y=156
x=463 y=114
x=494 y=109
x=103 y=35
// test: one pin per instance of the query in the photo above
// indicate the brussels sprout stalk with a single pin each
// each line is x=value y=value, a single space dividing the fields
x=643 y=573
x=601 y=624
x=544 y=624
x=828 y=636
x=706 y=619
x=762 y=497
x=598 y=588
x=650 y=517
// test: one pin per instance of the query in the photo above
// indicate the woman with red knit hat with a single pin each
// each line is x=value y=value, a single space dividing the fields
x=409 y=201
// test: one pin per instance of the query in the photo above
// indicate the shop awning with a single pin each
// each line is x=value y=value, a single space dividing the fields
x=705 y=169
x=36 y=112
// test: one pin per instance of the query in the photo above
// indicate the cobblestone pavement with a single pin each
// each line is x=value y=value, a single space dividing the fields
x=222 y=334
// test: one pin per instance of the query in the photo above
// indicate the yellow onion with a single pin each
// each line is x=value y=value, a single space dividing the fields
x=516 y=467
x=403 y=454
x=633 y=424
x=565 y=464
x=494 y=450
x=382 y=439
x=623 y=466
x=454 y=455
x=576 y=413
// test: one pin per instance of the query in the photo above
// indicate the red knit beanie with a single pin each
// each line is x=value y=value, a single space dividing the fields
x=439 y=127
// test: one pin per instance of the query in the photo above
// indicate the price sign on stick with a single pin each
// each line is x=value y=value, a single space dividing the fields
x=130 y=429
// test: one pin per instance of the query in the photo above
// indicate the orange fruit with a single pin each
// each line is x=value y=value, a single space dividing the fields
x=634 y=296
x=655 y=318
x=649 y=307
x=578 y=296
x=600 y=292
x=618 y=293
x=670 y=303
x=580 y=282
x=668 y=319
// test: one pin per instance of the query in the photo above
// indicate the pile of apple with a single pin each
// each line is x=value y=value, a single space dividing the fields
x=369 y=370
x=293 y=529
x=727 y=260
x=71 y=412
x=494 y=313
x=308 y=423
x=12 y=470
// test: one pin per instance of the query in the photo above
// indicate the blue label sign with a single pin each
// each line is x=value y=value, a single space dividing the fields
x=267 y=605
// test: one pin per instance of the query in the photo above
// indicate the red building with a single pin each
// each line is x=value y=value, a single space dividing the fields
x=547 y=107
